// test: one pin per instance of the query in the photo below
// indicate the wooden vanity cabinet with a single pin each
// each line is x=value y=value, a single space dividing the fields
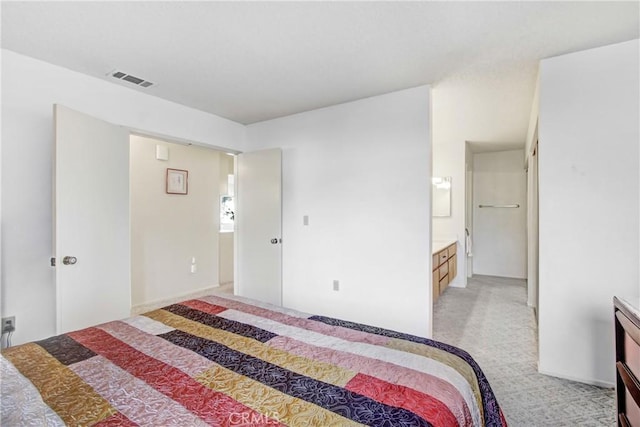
x=453 y=269
x=445 y=269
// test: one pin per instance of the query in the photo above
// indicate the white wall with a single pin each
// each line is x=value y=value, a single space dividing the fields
x=589 y=197
x=168 y=230
x=500 y=234
x=361 y=172
x=29 y=90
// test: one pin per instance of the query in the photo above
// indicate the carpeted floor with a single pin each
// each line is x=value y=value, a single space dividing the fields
x=490 y=320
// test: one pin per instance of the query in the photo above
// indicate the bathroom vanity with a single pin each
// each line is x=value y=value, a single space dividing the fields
x=443 y=265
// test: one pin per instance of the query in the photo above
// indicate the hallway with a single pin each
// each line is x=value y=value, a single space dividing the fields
x=491 y=320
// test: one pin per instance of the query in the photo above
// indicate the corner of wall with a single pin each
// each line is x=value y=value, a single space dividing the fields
x=532 y=130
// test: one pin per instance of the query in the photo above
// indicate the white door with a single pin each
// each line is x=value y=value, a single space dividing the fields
x=259 y=226
x=91 y=220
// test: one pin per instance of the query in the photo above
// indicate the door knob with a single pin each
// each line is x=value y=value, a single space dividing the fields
x=275 y=241
x=69 y=260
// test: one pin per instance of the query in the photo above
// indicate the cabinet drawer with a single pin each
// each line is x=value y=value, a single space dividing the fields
x=443 y=270
x=451 y=250
x=443 y=283
x=436 y=262
x=443 y=255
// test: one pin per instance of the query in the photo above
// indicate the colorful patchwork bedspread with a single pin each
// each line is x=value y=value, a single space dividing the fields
x=226 y=361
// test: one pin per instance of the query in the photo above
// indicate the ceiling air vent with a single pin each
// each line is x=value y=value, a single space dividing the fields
x=131 y=79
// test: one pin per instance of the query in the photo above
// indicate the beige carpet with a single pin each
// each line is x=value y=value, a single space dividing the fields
x=490 y=320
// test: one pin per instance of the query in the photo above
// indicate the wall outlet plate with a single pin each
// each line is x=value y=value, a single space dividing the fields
x=8 y=324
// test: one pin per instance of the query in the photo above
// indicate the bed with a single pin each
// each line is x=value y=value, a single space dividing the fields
x=627 y=329
x=228 y=361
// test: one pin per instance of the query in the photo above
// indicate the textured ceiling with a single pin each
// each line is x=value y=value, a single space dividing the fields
x=253 y=61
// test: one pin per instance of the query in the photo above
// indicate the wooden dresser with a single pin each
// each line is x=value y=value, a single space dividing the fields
x=444 y=265
x=627 y=329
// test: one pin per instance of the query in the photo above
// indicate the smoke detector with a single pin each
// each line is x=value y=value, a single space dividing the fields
x=129 y=78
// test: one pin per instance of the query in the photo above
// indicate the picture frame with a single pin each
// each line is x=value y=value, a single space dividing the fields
x=177 y=181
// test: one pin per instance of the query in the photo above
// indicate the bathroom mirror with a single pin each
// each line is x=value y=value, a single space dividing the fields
x=441 y=195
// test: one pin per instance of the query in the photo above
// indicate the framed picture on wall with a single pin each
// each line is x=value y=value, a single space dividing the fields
x=177 y=181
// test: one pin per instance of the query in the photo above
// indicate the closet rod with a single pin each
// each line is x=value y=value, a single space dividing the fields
x=498 y=206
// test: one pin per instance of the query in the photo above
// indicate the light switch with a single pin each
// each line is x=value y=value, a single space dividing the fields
x=305 y=220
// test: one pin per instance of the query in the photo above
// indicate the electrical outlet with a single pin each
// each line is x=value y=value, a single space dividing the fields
x=8 y=324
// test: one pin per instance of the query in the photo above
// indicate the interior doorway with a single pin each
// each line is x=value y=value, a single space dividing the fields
x=226 y=236
x=223 y=229
x=179 y=245
x=500 y=214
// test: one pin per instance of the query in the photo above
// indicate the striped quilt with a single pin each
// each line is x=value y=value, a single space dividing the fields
x=227 y=361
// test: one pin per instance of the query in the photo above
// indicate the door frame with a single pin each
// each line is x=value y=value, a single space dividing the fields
x=533 y=227
x=181 y=141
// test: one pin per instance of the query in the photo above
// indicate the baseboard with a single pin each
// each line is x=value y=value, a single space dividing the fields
x=598 y=383
x=458 y=282
x=156 y=304
x=498 y=277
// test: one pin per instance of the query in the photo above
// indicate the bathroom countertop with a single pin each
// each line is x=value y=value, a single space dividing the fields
x=440 y=244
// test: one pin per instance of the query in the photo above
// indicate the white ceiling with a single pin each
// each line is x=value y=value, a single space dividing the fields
x=253 y=61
